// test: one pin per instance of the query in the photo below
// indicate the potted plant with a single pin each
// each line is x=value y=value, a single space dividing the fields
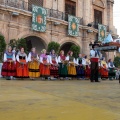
x=76 y=50
x=53 y=45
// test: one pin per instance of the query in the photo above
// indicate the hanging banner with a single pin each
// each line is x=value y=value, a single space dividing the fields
x=39 y=18
x=101 y=32
x=73 y=25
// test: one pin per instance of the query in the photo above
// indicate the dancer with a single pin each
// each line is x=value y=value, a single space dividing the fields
x=87 y=68
x=103 y=68
x=111 y=68
x=71 y=65
x=80 y=67
x=54 y=65
x=95 y=55
x=63 y=72
x=9 y=67
x=44 y=65
x=22 y=67
x=33 y=64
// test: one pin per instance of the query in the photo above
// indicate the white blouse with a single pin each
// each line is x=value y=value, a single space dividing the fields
x=67 y=58
x=5 y=57
x=29 y=57
x=41 y=59
x=17 y=58
x=50 y=57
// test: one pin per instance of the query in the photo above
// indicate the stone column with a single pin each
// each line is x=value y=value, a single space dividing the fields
x=110 y=13
x=86 y=11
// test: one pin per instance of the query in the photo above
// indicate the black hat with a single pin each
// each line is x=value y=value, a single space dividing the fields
x=95 y=45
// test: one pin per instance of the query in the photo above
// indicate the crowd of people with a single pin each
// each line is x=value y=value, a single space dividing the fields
x=52 y=66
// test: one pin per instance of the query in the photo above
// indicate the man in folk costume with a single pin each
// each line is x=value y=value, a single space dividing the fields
x=33 y=64
x=22 y=67
x=71 y=64
x=111 y=68
x=95 y=55
x=54 y=65
x=80 y=67
x=9 y=66
x=44 y=65
x=63 y=72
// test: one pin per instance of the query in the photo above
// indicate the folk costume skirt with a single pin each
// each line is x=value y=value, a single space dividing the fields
x=22 y=69
x=8 y=69
x=44 y=69
x=63 y=72
x=71 y=69
x=80 y=71
x=54 y=69
x=34 y=69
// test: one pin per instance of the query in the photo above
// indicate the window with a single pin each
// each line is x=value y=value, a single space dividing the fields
x=70 y=7
x=34 y=2
x=97 y=17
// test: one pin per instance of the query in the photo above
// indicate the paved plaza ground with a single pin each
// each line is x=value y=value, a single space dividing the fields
x=59 y=100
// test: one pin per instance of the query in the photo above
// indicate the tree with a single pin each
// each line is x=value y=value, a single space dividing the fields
x=53 y=45
x=76 y=50
x=2 y=46
x=22 y=43
x=117 y=61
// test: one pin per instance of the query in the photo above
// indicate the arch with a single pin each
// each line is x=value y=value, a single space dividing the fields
x=66 y=43
x=99 y=3
x=34 y=41
x=68 y=39
x=42 y=36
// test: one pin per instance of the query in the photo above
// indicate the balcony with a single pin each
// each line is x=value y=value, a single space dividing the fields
x=22 y=5
x=94 y=25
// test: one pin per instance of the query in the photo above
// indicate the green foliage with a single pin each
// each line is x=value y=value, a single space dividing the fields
x=22 y=43
x=2 y=46
x=13 y=43
x=117 y=61
x=53 y=45
x=76 y=50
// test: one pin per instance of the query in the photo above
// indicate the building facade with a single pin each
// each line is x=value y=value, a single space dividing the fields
x=16 y=21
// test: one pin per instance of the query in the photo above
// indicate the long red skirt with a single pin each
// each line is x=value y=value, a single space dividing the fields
x=44 y=69
x=22 y=70
x=54 y=69
x=8 y=69
x=87 y=71
x=104 y=72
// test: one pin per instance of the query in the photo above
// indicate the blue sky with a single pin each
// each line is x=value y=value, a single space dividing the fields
x=116 y=15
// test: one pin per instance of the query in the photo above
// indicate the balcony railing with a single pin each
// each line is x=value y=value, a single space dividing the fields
x=21 y=4
x=94 y=25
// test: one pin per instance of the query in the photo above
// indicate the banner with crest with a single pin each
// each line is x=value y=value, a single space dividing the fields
x=73 y=25
x=39 y=18
x=101 y=32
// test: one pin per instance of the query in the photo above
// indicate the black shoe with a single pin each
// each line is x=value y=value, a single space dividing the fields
x=97 y=81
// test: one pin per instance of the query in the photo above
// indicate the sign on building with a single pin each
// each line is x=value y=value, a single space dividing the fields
x=101 y=32
x=39 y=18
x=73 y=25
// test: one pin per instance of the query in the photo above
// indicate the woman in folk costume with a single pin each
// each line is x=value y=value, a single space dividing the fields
x=80 y=67
x=103 y=68
x=22 y=67
x=71 y=65
x=9 y=66
x=33 y=64
x=87 y=67
x=111 y=68
x=63 y=72
x=54 y=65
x=44 y=65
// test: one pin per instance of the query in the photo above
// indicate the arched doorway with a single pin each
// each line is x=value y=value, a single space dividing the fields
x=66 y=47
x=33 y=41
